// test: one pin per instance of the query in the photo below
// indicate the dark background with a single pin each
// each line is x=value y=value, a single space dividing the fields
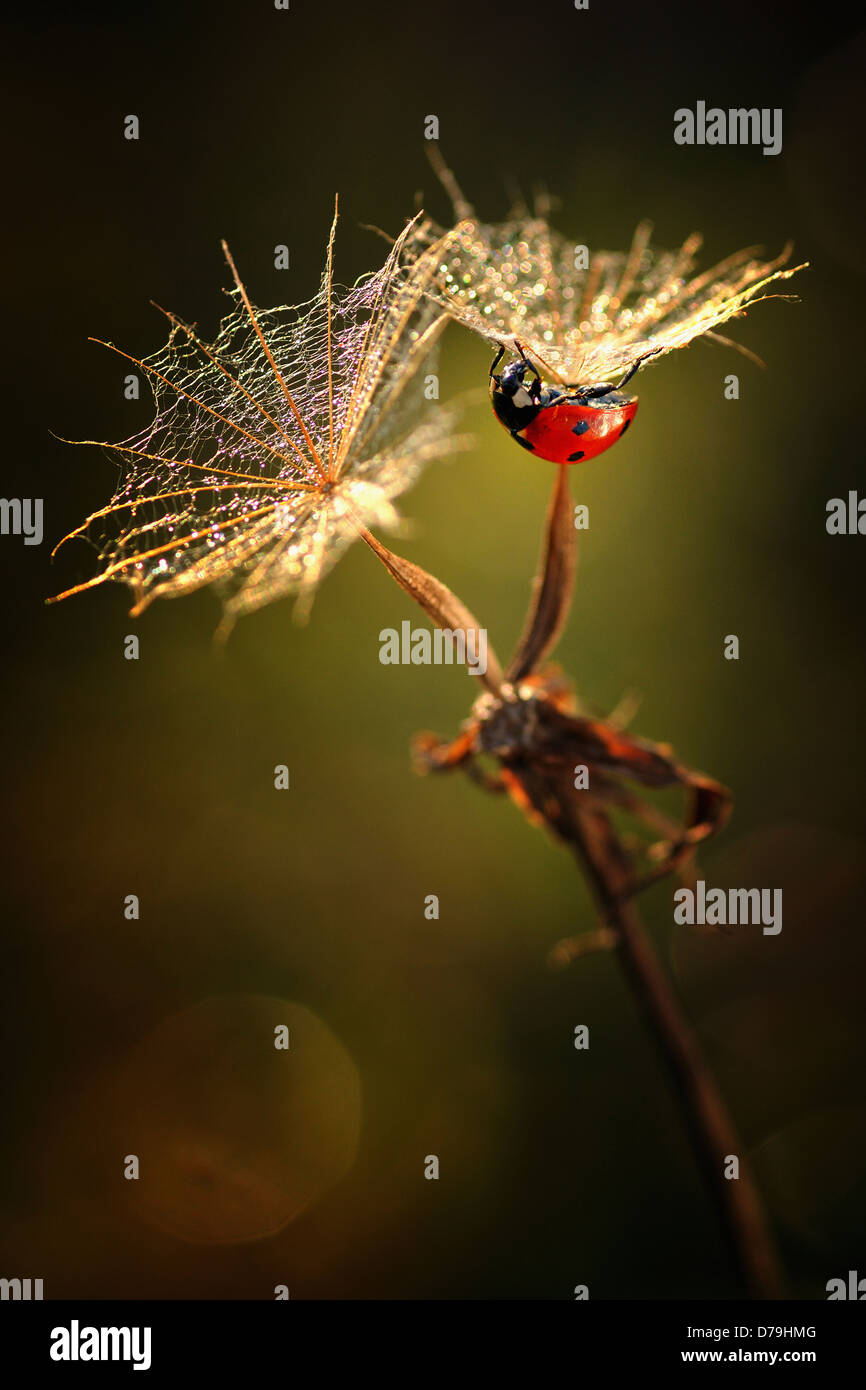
x=156 y=777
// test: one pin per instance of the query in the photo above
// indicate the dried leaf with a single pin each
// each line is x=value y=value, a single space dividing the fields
x=443 y=608
x=553 y=585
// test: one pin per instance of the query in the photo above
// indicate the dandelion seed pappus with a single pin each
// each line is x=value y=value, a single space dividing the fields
x=574 y=320
x=276 y=445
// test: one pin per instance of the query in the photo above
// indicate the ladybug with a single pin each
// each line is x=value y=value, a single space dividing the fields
x=565 y=424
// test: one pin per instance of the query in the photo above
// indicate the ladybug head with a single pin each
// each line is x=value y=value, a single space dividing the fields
x=514 y=384
x=516 y=394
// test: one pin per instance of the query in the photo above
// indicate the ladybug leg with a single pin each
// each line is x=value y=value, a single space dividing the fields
x=589 y=393
x=635 y=367
x=578 y=395
x=535 y=388
x=629 y=374
x=497 y=359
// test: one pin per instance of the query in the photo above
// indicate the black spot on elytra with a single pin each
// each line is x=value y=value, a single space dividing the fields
x=581 y=427
x=624 y=428
x=572 y=458
x=525 y=442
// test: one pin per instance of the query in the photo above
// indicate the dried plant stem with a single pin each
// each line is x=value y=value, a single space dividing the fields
x=545 y=792
x=597 y=847
x=584 y=826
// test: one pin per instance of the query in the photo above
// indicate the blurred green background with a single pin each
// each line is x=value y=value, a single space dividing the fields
x=156 y=777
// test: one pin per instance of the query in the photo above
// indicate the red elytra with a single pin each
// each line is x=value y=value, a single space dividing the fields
x=570 y=433
x=564 y=424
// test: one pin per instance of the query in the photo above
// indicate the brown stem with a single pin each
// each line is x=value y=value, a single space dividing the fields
x=583 y=825
x=597 y=846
